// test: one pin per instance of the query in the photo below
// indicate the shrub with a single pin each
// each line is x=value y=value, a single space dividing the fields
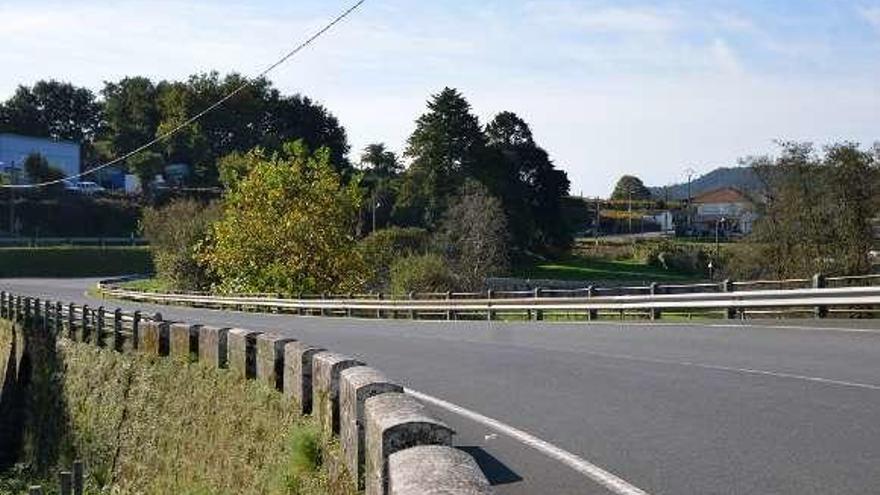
x=421 y=273
x=671 y=256
x=176 y=233
x=287 y=227
x=381 y=248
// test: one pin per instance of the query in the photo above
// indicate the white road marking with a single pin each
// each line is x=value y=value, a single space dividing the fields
x=597 y=474
x=748 y=371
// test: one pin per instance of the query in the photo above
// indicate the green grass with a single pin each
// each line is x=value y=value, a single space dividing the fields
x=146 y=424
x=588 y=269
x=67 y=261
x=151 y=284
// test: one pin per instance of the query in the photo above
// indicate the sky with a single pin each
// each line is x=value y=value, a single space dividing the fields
x=650 y=88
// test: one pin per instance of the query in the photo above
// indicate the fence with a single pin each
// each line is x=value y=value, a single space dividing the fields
x=818 y=296
x=377 y=422
x=69 y=482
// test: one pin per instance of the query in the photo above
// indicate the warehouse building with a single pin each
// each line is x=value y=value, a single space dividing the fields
x=14 y=149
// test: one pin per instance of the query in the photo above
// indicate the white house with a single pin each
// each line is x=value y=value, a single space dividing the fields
x=14 y=149
x=728 y=208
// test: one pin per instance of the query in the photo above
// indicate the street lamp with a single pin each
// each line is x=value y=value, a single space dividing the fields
x=718 y=224
x=376 y=204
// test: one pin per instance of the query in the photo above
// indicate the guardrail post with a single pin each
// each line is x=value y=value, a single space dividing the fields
x=490 y=315
x=348 y=306
x=65 y=479
x=356 y=385
x=412 y=312
x=592 y=314
x=819 y=282
x=395 y=422
x=84 y=326
x=212 y=346
x=99 y=327
x=323 y=310
x=36 y=319
x=655 y=289
x=300 y=311
x=59 y=319
x=270 y=359
x=135 y=329
x=3 y=304
x=538 y=314
x=379 y=297
x=298 y=374
x=241 y=345
x=435 y=469
x=71 y=321
x=326 y=367
x=727 y=286
x=78 y=477
x=47 y=316
x=118 y=338
x=450 y=313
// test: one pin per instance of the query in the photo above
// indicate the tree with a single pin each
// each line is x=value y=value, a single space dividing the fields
x=630 y=188
x=287 y=227
x=38 y=169
x=175 y=233
x=131 y=110
x=816 y=216
x=445 y=147
x=473 y=235
x=55 y=110
x=522 y=175
x=377 y=160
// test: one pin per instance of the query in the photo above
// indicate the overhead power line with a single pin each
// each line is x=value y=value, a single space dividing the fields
x=194 y=118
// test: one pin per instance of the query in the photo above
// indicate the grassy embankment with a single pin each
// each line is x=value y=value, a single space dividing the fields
x=593 y=269
x=74 y=261
x=150 y=425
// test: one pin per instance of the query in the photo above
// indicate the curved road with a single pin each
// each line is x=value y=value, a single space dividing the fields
x=787 y=407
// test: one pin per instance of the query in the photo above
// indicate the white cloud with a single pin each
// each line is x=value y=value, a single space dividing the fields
x=872 y=15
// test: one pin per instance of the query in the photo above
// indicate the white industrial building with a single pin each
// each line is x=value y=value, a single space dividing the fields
x=14 y=149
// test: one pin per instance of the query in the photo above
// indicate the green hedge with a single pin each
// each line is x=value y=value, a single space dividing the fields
x=74 y=261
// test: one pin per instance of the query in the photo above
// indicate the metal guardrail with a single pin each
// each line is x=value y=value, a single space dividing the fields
x=729 y=299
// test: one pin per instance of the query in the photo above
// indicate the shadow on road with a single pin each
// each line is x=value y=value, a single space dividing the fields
x=496 y=472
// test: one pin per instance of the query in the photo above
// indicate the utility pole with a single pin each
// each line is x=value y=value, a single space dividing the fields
x=690 y=173
x=598 y=221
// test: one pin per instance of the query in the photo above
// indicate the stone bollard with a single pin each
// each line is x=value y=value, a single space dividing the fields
x=154 y=338
x=435 y=469
x=241 y=347
x=356 y=385
x=298 y=358
x=212 y=346
x=184 y=342
x=326 y=367
x=395 y=422
x=270 y=359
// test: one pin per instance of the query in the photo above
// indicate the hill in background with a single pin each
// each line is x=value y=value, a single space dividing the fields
x=742 y=178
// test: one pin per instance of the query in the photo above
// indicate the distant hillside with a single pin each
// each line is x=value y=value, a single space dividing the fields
x=742 y=178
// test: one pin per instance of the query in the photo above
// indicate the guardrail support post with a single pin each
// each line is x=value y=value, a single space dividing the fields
x=99 y=327
x=36 y=320
x=819 y=282
x=412 y=312
x=71 y=321
x=655 y=289
x=84 y=327
x=118 y=337
x=450 y=314
x=727 y=286
x=135 y=329
x=592 y=314
x=538 y=314
x=379 y=297
x=59 y=319
x=490 y=315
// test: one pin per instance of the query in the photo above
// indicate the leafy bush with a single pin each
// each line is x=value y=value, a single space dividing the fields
x=381 y=248
x=421 y=273
x=73 y=261
x=287 y=227
x=176 y=233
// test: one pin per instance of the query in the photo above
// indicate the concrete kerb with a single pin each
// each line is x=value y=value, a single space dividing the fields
x=212 y=346
x=435 y=470
x=298 y=373
x=270 y=359
x=356 y=385
x=326 y=367
x=241 y=347
x=394 y=422
x=154 y=338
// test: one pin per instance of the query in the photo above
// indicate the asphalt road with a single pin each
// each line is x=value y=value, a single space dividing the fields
x=669 y=408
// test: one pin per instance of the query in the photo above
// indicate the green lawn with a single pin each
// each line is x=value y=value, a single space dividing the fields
x=579 y=268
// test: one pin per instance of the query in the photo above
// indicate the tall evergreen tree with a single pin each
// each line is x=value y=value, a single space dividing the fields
x=445 y=147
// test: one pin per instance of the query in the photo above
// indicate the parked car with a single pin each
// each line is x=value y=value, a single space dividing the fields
x=83 y=187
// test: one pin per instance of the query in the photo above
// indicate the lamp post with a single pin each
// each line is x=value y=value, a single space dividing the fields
x=376 y=204
x=718 y=223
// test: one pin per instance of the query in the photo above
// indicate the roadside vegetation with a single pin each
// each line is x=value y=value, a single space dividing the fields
x=151 y=425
